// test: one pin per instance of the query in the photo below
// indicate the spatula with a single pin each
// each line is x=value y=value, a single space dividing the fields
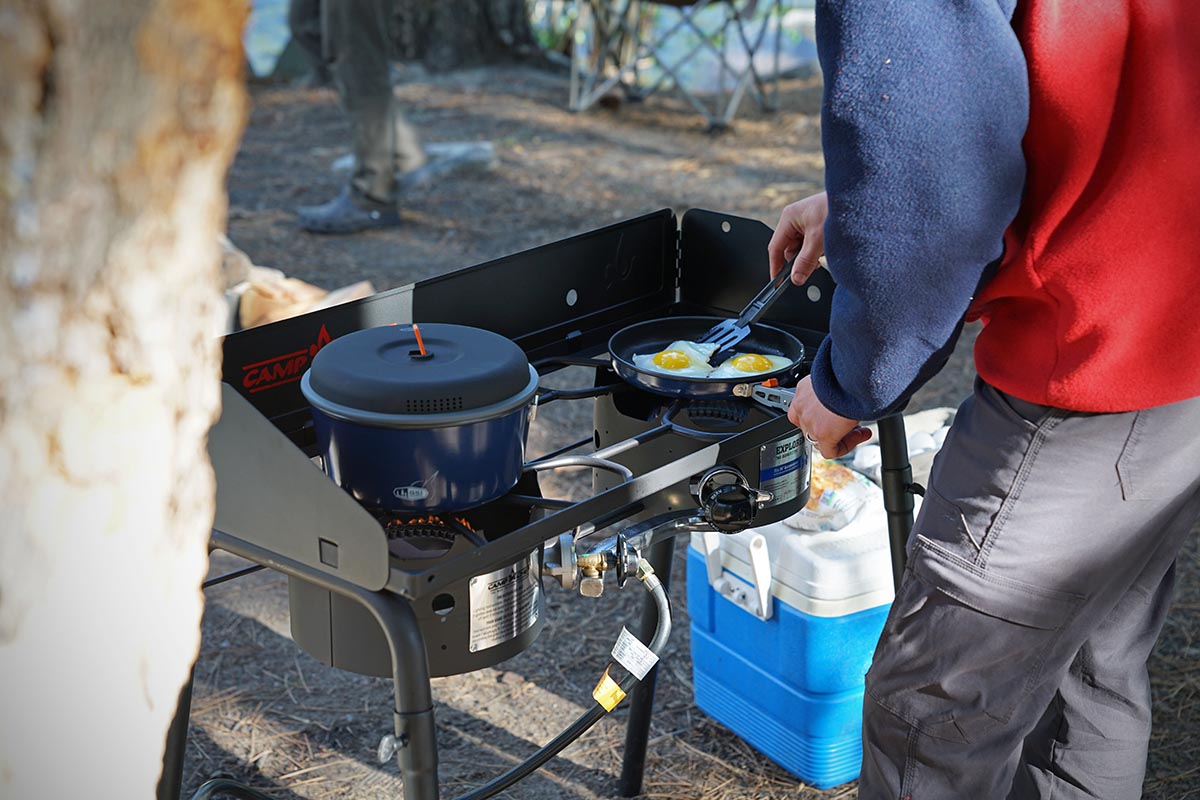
x=728 y=333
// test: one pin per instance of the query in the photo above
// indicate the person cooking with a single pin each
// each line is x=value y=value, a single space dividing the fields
x=1030 y=165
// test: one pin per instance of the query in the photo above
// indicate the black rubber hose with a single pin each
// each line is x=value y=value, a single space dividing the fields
x=589 y=717
x=228 y=786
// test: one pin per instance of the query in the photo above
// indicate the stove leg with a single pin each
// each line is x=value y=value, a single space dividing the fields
x=417 y=751
x=170 y=783
x=641 y=700
x=415 y=733
x=896 y=477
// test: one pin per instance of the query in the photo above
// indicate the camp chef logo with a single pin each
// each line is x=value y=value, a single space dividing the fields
x=513 y=577
x=289 y=368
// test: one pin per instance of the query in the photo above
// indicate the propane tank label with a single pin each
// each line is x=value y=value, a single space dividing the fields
x=783 y=469
x=634 y=656
x=504 y=603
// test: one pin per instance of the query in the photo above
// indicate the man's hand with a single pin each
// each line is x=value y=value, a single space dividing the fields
x=832 y=435
x=800 y=234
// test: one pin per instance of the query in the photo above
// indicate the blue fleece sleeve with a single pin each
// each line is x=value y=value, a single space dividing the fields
x=925 y=106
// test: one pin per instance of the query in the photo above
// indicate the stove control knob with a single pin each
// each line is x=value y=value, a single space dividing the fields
x=731 y=508
x=728 y=500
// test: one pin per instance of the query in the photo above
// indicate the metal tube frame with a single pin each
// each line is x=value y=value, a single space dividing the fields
x=896 y=478
x=170 y=783
x=413 y=713
x=641 y=700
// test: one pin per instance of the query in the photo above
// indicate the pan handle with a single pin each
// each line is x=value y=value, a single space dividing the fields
x=774 y=397
x=793 y=375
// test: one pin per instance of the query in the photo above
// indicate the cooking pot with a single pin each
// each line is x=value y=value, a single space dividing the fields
x=428 y=421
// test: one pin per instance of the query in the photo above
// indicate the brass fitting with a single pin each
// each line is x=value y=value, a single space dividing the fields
x=592 y=563
x=646 y=574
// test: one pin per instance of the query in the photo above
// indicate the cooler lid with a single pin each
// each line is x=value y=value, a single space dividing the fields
x=383 y=370
x=824 y=565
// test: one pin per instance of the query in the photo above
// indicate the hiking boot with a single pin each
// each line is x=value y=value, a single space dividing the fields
x=347 y=213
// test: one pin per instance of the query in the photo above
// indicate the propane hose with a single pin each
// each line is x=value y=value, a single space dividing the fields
x=580 y=726
x=230 y=787
x=593 y=715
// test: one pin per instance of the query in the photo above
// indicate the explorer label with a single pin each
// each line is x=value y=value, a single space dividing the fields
x=783 y=469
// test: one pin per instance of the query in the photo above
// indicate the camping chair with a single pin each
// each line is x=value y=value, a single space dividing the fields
x=621 y=43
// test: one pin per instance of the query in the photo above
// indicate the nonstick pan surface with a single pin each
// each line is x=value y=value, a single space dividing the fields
x=655 y=335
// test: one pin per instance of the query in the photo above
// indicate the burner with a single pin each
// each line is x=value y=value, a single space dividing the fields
x=718 y=412
x=426 y=537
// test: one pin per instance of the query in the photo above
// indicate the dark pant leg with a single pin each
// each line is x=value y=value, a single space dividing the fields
x=1037 y=526
x=304 y=21
x=357 y=32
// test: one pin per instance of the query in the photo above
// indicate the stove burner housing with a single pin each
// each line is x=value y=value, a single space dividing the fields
x=781 y=466
x=466 y=627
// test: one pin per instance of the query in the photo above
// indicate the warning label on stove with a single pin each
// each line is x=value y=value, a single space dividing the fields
x=504 y=603
x=783 y=469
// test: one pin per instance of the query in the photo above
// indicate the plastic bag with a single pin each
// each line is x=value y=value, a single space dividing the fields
x=837 y=497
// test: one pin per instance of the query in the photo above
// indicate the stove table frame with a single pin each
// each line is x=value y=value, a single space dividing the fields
x=276 y=510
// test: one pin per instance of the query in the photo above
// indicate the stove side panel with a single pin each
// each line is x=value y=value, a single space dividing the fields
x=723 y=265
x=564 y=296
x=552 y=300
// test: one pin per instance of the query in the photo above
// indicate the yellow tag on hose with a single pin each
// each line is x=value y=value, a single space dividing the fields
x=608 y=692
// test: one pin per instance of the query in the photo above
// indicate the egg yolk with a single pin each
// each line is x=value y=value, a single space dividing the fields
x=751 y=362
x=672 y=359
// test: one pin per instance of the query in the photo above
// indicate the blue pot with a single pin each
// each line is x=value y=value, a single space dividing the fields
x=390 y=437
x=436 y=469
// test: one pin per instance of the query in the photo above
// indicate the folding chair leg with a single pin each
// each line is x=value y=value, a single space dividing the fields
x=625 y=36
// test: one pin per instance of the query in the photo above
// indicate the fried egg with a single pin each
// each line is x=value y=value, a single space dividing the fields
x=745 y=365
x=681 y=359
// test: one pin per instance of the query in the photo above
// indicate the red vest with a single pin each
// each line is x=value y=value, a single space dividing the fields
x=1096 y=305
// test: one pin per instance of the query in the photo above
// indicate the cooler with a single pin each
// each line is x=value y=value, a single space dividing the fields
x=783 y=626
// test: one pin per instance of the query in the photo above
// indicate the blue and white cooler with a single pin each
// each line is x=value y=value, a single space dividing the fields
x=784 y=621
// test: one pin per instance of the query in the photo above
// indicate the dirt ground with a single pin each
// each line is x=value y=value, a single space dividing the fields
x=267 y=713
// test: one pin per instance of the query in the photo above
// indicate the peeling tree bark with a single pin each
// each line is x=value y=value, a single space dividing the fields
x=118 y=120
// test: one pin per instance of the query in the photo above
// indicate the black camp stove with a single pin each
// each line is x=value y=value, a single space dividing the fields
x=447 y=593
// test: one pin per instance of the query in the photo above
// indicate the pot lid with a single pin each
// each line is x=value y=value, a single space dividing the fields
x=383 y=370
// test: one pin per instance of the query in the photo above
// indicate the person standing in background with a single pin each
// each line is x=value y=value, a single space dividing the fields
x=352 y=38
x=1030 y=164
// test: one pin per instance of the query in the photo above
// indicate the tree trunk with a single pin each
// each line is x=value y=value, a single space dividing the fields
x=118 y=120
x=464 y=32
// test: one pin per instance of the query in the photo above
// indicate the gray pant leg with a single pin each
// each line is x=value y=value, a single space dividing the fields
x=357 y=33
x=304 y=21
x=1092 y=740
x=1037 y=525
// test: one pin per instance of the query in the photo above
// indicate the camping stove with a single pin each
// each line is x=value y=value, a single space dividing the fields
x=416 y=596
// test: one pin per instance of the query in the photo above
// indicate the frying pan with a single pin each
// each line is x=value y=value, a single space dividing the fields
x=655 y=335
